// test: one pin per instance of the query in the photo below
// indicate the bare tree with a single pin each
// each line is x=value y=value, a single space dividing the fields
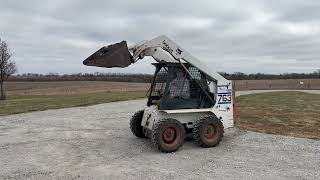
x=7 y=66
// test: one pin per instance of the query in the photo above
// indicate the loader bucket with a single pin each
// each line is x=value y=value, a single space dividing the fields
x=114 y=55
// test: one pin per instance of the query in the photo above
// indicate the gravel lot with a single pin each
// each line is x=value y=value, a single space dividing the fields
x=95 y=143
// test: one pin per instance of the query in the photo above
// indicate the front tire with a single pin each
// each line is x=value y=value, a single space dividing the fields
x=168 y=135
x=135 y=124
x=208 y=131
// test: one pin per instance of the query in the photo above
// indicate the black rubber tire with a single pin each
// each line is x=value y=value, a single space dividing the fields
x=158 y=130
x=135 y=124
x=199 y=134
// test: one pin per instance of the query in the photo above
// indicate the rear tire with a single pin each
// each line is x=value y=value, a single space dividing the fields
x=168 y=135
x=135 y=124
x=208 y=131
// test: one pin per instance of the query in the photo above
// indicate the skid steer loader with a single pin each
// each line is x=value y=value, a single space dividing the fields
x=186 y=96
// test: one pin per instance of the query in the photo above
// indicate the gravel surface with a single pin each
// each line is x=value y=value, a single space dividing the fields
x=95 y=143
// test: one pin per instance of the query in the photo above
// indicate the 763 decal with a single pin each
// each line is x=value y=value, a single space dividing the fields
x=224 y=98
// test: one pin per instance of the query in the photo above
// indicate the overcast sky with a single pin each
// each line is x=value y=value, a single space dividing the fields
x=271 y=36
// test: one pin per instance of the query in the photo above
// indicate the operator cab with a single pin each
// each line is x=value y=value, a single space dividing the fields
x=175 y=88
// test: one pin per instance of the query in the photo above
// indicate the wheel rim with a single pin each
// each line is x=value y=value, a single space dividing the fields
x=209 y=131
x=169 y=135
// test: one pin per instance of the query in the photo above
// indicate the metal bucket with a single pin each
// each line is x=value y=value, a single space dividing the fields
x=115 y=55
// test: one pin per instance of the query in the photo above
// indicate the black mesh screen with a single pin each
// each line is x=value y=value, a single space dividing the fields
x=174 y=88
x=195 y=73
x=160 y=82
x=194 y=86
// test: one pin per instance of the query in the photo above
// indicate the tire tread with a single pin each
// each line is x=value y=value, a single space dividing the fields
x=156 y=133
x=196 y=132
x=135 y=124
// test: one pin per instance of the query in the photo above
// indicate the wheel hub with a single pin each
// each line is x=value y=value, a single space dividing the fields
x=209 y=131
x=169 y=135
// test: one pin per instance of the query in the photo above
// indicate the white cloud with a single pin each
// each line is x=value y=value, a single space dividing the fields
x=302 y=29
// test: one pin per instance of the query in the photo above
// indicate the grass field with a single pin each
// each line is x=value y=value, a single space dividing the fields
x=27 y=103
x=286 y=113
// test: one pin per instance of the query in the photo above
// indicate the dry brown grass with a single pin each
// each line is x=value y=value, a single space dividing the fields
x=79 y=87
x=71 y=87
x=278 y=84
x=286 y=113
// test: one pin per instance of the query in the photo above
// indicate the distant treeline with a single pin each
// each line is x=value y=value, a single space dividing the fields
x=258 y=76
x=117 y=77
x=120 y=77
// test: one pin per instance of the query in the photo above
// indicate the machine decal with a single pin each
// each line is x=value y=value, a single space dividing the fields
x=167 y=47
x=224 y=98
x=178 y=51
x=224 y=94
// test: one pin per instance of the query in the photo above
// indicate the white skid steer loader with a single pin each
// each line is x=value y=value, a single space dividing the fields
x=186 y=96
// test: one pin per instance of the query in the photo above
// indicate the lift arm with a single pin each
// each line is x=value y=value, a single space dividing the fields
x=160 y=48
x=160 y=43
